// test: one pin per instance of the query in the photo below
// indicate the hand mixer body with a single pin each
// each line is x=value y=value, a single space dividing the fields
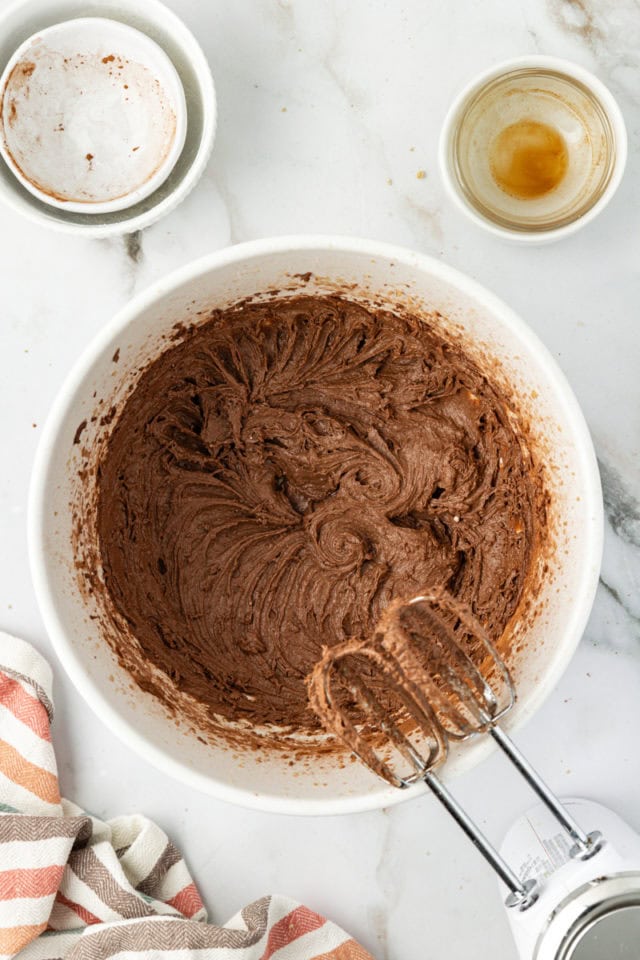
x=587 y=909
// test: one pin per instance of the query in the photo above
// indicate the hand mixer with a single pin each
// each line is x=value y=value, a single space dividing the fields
x=428 y=676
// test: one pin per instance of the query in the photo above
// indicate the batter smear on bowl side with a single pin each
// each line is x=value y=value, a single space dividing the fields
x=282 y=473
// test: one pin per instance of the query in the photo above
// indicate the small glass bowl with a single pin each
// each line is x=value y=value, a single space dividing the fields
x=543 y=90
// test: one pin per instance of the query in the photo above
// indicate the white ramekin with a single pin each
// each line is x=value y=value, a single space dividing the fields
x=368 y=269
x=457 y=109
x=24 y=18
x=98 y=36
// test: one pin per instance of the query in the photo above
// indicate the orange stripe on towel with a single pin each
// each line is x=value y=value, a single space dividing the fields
x=36 y=882
x=26 y=774
x=24 y=707
x=187 y=901
x=14 y=939
x=349 y=950
x=85 y=915
x=294 y=925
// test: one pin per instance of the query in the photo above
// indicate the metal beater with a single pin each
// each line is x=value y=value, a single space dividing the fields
x=430 y=675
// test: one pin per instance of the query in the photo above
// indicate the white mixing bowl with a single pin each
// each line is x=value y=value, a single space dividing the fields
x=559 y=606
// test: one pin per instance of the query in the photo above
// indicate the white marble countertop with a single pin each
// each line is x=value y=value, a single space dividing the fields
x=328 y=110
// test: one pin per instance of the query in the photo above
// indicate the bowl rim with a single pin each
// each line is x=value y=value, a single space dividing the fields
x=576 y=72
x=37 y=504
x=153 y=12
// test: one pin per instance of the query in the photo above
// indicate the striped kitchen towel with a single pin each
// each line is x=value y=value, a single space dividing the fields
x=78 y=888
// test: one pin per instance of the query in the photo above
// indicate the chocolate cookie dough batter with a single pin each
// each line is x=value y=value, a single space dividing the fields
x=282 y=473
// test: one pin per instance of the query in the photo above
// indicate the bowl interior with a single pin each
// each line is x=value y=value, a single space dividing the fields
x=156 y=21
x=556 y=614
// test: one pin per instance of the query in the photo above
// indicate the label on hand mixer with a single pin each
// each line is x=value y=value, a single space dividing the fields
x=557 y=925
x=545 y=847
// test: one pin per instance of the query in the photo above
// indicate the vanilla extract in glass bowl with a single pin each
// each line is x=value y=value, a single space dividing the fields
x=528 y=159
x=533 y=149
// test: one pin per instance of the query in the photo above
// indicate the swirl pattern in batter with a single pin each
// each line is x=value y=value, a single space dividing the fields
x=287 y=469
